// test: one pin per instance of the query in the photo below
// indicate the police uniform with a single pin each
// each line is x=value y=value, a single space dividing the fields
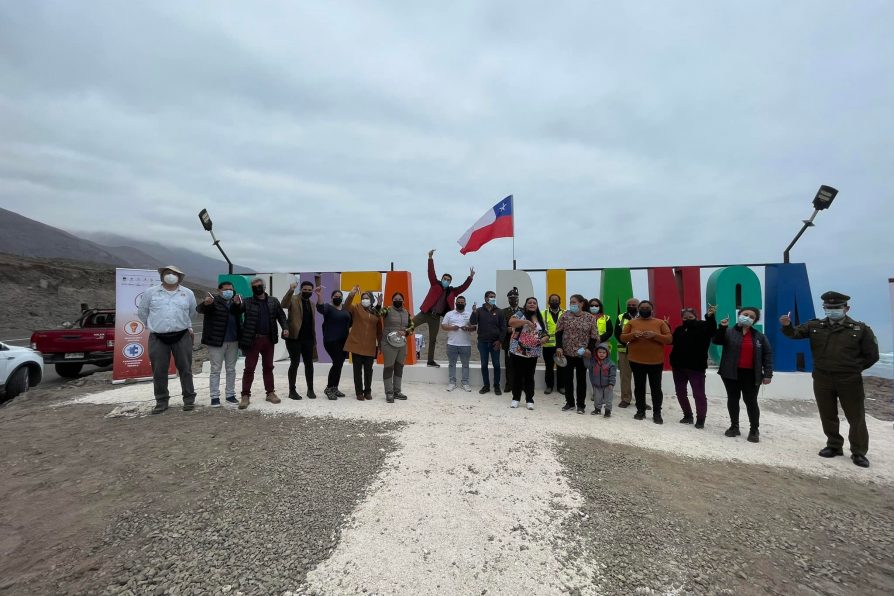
x=841 y=350
x=508 y=313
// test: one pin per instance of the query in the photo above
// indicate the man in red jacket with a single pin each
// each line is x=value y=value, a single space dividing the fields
x=437 y=303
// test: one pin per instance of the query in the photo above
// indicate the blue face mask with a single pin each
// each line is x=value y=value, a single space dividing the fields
x=227 y=294
x=580 y=351
x=745 y=321
x=492 y=301
x=445 y=283
x=594 y=310
x=836 y=314
x=573 y=308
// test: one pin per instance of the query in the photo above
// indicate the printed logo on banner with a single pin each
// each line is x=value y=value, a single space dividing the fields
x=134 y=327
x=133 y=350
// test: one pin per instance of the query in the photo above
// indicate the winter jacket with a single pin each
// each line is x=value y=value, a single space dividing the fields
x=251 y=308
x=365 y=336
x=217 y=316
x=292 y=303
x=434 y=292
x=691 y=342
x=847 y=347
x=731 y=340
x=602 y=374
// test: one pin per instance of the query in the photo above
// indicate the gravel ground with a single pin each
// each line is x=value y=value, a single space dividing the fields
x=186 y=503
x=675 y=525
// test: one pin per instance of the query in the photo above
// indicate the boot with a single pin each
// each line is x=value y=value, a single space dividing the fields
x=389 y=397
x=754 y=436
x=687 y=419
x=272 y=398
x=294 y=394
x=311 y=394
x=397 y=392
x=243 y=403
x=160 y=406
x=657 y=419
x=367 y=395
x=700 y=423
x=732 y=431
x=360 y=396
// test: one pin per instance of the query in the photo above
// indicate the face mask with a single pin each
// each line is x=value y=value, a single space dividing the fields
x=554 y=305
x=227 y=294
x=257 y=290
x=460 y=307
x=445 y=283
x=492 y=301
x=337 y=300
x=580 y=351
x=745 y=321
x=513 y=300
x=305 y=294
x=594 y=310
x=688 y=322
x=398 y=303
x=631 y=310
x=573 y=308
x=645 y=313
x=365 y=303
x=836 y=314
x=171 y=279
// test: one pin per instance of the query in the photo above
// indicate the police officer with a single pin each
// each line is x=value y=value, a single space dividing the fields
x=512 y=297
x=842 y=349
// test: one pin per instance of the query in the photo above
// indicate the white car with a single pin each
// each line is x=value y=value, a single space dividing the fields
x=20 y=369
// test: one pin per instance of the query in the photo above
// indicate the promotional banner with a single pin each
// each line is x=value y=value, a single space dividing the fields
x=131 y=336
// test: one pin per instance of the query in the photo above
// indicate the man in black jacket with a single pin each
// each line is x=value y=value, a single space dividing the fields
x=220 y=333
x=259 y=335
x=689 y=360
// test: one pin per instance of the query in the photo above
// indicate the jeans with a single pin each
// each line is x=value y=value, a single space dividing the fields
x=696 y=378
x=640 y=373
x=363 y=372
x=434 y=325
x=463 y=352
x=487 y=351
x=160 y=355
x=742 y=386
x=523 y=377
x=575 y=370
x=336 y=351
x=549 y=358
x=223 y=356
x=298 y=349
x=262 y=347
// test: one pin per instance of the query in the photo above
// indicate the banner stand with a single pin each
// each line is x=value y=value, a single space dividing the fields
x=131 y=356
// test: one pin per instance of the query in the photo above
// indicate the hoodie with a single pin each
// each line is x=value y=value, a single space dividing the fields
x=602 y=372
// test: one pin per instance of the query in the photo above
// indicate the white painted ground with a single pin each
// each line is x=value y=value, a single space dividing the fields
x=475 y=497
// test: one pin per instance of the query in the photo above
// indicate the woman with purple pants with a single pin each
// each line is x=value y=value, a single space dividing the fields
x=689 y=360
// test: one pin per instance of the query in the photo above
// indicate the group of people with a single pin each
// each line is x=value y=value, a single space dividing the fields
x=573 y=343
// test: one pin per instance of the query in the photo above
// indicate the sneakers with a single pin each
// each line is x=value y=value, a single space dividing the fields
x=360 y=396
x=189 y=407
x=243 y=403
x=530 y=406
x=497 y=390
x=215 y=403
x=451 y=386
x=231 y=399
x=754 y=436
x=337 y=392
x=732 y=431
x=624 y=404
x=367 y=395
x=399 y=395
x=330 y=393
x=514 y=403
x=433 y=364
x=272 y=398
x=657 y=419
x=581 y=411
x=596 y=411
x=608 y=413
x=567 y=407
x=485 y=389
x=311 y=394
x=466 y=388
x=639 y=416
x=159 y=408
x=860 y=460
x=700 y=423
x=687 y=419
x=830 y=452
x=294 y=394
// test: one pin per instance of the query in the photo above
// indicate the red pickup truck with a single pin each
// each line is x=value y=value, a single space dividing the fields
x=91 y=340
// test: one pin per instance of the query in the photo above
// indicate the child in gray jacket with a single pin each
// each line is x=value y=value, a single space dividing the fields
x=603 y=374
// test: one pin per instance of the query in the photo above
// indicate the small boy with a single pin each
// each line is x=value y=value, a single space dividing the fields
x=603 y=374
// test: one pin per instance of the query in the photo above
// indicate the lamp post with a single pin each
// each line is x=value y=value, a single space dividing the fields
x=206 y=223
x=823 y=200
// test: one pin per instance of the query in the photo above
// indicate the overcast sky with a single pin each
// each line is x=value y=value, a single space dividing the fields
x=344 y=136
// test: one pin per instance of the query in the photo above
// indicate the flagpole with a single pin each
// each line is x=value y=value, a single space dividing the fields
x=513 y=232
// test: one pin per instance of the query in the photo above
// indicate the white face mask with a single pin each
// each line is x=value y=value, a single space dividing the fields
x=365 y=303
x=171 y=279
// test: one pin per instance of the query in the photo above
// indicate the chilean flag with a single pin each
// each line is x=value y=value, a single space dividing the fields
x=496 y=223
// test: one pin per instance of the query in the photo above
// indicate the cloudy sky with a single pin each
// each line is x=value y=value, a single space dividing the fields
x=344 y=136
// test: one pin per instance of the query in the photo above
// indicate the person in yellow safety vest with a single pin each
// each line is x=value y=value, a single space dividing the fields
x=551 y=316
x=603 y=321
x=624 y=371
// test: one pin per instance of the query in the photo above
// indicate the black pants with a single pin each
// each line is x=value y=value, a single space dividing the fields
x=523 y=377
x=575 y=371
x=742 y=386
x=298 y=349
x=549 y=358
x=363 y=373
x=508 y=360
x=642 y=372
x=336 y=351
x=847 y=388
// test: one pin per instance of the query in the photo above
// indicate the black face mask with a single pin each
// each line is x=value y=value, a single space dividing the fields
x=631 y=310
x=645 y=313
x=554 y=305
x=460 y=307
x=337 y=300
x=257 y=290
x=306 y=294
x=689 y=322
x=398 y=303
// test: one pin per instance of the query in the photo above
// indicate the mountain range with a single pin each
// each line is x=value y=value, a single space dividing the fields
x=26 y=237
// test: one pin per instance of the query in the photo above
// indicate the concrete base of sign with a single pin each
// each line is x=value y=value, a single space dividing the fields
x=793 y=386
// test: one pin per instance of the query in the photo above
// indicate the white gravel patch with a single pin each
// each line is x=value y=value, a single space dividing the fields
x=475 y=497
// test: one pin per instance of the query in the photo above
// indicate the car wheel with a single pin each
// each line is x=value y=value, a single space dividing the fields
x=18 y=383
x=69 y=369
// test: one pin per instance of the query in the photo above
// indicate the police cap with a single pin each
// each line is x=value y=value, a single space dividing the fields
x=512 y=292
x=835 y=299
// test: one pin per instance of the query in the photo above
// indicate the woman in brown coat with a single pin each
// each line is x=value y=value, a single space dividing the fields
x=363 y=340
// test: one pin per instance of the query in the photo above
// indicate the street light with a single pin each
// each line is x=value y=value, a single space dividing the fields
x=207 y=224
x=823 y=200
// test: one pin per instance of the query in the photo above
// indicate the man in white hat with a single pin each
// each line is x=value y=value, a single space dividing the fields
x=167 y=310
